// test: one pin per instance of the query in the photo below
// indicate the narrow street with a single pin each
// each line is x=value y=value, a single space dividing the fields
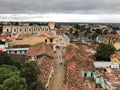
x=59 y=71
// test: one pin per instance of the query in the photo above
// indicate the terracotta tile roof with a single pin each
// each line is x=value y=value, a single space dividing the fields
x=113 y=78
x=19 y=46
x=45 y=64
x=21 y=58
x=79 y=52
x=42 y=34
x=24 y=35
x=40 y=49
x=3 y=37
x=2 y=49
x=75 y=63
x=112 y=36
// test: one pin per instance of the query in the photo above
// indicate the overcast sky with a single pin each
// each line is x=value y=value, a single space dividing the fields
x=60 y=10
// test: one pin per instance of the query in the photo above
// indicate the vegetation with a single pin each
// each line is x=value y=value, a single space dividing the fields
x=76 y=33
x=0 y=29
x=71 y=39
x=17 y=76
x=104 y=51
x=81 y=28
x=94 y=36
x=5 y=59
x=1 y=42
x=57 y=26
x=10 y=79
x=71 y=30
x=30 y=71
x=77 y=26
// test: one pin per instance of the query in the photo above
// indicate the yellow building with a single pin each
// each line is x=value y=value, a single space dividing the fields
x=115 y=58
x=117 y=45
x=50 y=38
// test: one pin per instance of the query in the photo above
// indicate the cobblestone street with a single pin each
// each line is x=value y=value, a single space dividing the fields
x=59 y=71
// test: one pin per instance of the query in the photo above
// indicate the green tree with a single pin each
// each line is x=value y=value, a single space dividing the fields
x=1 y=29
x=37 y=86
x=30 y=71
x=71 y=30
x=94 y=36
x=82 y=28
x=77 y=26
x=105 y=32
x=98 y=31
x=76 y=33
x=5 y=59
x=10 y=79
x=1 y=42
x=113 y=32
x=71 y=39
x=104 y=51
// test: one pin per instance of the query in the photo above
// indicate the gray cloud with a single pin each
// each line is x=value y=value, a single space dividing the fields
x=60 y=6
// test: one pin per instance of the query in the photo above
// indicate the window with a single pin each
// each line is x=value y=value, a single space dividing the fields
x=45 y=40
x=14 y=30
x=9 y=52
x=25 y=51
x=51 y=40
x=20 y=30
x=20 y=52
x=43 y=29
x=47 y=29
x=15 y=52
x=29 y=30
x=25 y=30
x=85 y=74
x=7 y=30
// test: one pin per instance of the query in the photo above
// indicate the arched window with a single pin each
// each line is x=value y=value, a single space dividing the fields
x=14 y=30
x=45 y=40
x=25 y=29
x=20 y=30
x=29 y=30
x=7 y=30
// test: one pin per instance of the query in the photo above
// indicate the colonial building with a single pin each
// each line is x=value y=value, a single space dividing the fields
x=39 y=50
x=26 y=28
x=24 y=35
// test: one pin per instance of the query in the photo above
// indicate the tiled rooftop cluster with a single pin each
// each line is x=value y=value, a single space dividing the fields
x=21 y=58
x=116 y=36
x=40 y=49
x=45 y=64
x=76 y=60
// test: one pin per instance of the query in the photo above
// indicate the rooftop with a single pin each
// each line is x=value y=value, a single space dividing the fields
x=40 y=49
x=45 y=64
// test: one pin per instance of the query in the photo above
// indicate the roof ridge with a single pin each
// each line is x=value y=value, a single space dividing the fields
x=44 y=47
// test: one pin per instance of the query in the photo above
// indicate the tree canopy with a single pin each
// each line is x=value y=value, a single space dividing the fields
x=30 y=71
x=10 y=78
x=5 y=59
x=104 y=51
x=17 y=76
